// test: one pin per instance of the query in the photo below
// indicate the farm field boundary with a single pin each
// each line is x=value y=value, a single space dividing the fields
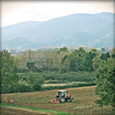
x=35 y=111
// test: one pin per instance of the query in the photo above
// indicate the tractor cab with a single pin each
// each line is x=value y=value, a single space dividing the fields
x=61 y=92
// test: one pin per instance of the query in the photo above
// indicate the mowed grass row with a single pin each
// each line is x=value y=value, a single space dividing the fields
x=82 y=96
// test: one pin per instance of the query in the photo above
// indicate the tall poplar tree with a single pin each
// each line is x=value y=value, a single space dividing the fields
x=105 y=77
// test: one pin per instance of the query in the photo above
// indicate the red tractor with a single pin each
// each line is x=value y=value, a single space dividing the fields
x=62 y=97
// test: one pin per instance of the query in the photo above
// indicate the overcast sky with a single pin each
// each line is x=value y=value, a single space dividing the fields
x=21 y=11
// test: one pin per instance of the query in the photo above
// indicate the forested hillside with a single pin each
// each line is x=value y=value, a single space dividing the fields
x=76 y=30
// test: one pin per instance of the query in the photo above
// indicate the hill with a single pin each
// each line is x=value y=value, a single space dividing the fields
x=76 y=30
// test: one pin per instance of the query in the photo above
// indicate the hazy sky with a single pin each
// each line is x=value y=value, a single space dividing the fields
x=15 y=12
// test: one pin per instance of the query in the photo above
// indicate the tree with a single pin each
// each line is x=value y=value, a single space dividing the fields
x=95 y=51
x=64 y=49
x=103 y=50
x=81 y=52
x=89 y=60
x=105 y=56
x=64 y=58
x=35 y=80
x=113 y=52
x=31 y=66
x=96 y=62
x=105 y=77
x=74 y=62
x=8 y=72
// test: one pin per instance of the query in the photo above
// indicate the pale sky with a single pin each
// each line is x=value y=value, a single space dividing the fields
x=13 y=12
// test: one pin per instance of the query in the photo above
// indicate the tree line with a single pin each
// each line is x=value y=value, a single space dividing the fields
x=62 y=60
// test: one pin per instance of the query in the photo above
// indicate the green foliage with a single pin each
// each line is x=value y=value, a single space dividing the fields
x=105 y=56
x=23 y=70
x=113 y=51
x=70 y=76
x=105 y=77
x=73 y=62
x=61 y=65
x=103 y=50
x=64 y=58
x=30 y=82
x=23 y=87
x=85 y=79
x=10 y=79
x=35 y=80
x=79 y=60
x=8 y=72
x=31 y=66
x=96 y=62
x=64 y=49
x=93 y=50
x=89 y=60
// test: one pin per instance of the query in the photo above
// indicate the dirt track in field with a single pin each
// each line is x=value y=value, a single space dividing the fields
x=19 y=111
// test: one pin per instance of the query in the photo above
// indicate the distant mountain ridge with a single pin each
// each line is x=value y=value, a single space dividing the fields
x=76 y=30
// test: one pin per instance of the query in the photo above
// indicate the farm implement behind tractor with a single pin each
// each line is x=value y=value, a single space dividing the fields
x=61 y=97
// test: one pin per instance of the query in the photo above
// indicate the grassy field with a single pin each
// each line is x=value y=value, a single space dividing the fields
x=84 y=98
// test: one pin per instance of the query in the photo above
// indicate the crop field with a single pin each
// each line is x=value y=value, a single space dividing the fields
x=84 y=98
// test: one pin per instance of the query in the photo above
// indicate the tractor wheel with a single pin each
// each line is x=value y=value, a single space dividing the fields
x=66 y=99
x=62 y=99
x=71 y=99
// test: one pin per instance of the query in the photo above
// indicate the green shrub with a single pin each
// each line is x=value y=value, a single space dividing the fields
x=70 y=76
x=56 y=77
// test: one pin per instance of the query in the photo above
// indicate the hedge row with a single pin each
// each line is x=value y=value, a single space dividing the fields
x=57 y=77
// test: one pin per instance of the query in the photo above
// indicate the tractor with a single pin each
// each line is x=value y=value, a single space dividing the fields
x=62 y=97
